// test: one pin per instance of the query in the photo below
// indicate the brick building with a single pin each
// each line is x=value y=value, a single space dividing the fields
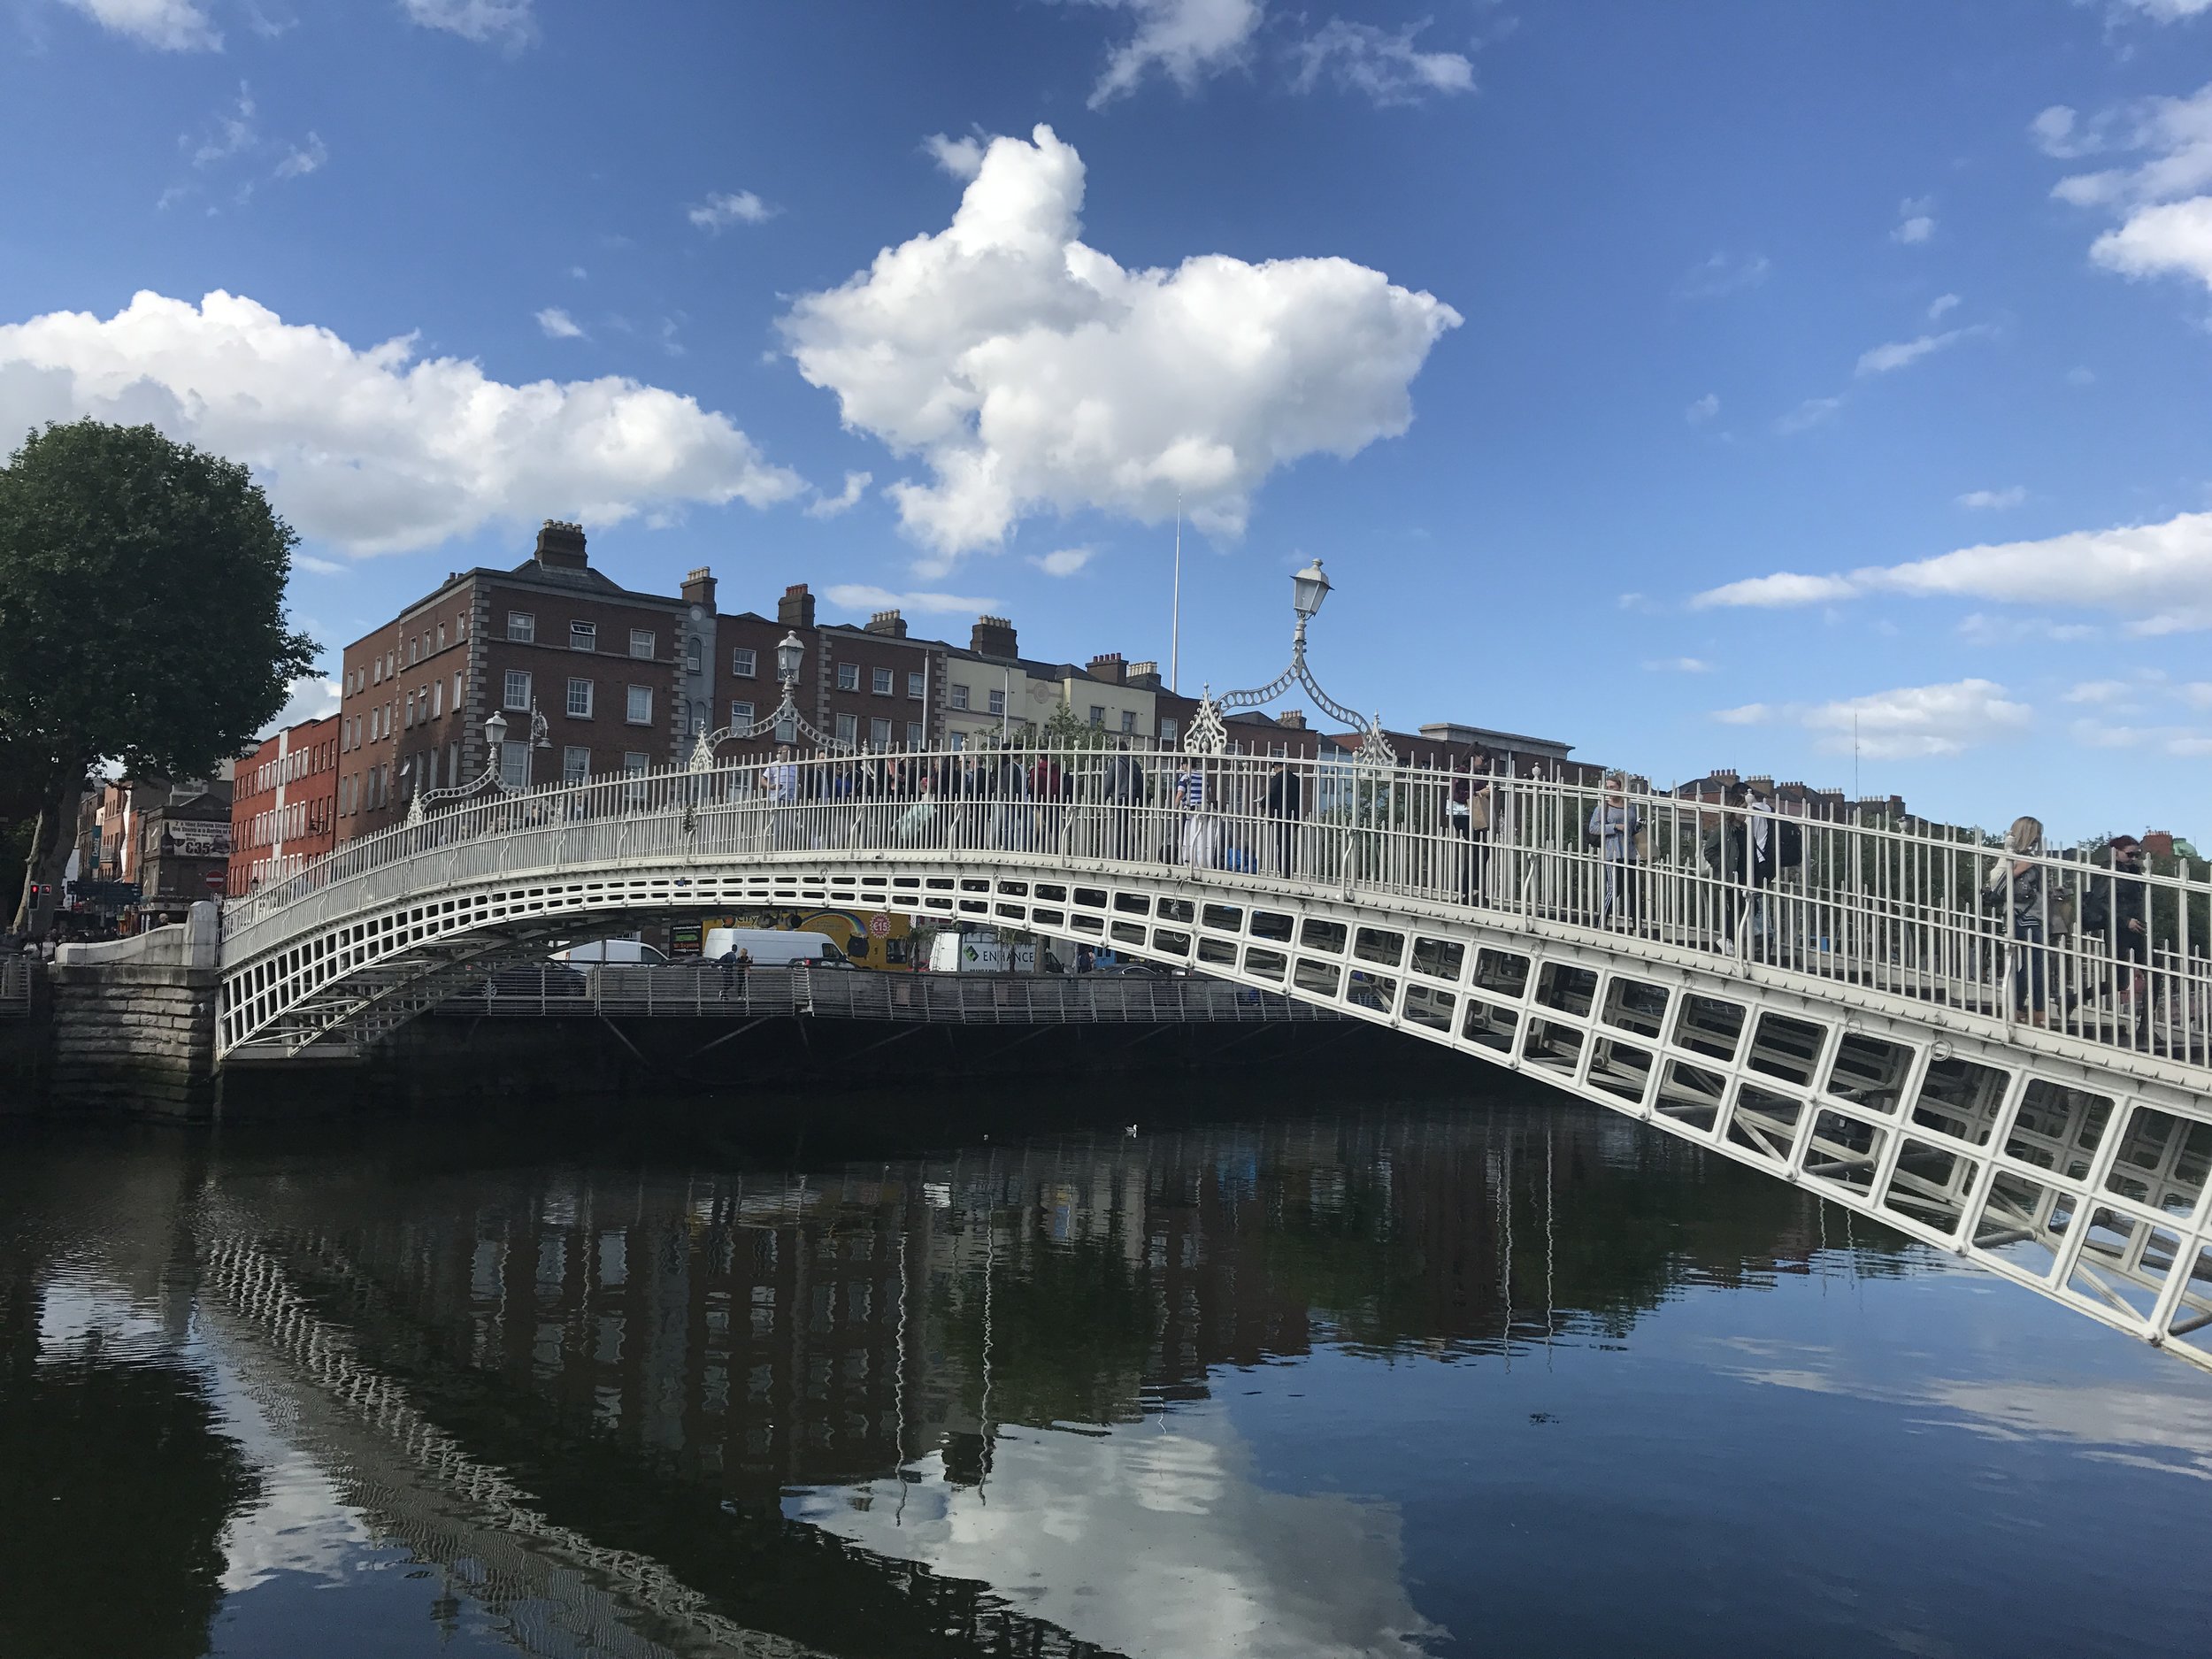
x=284 y=804
x=619 y=677
x=171 y=839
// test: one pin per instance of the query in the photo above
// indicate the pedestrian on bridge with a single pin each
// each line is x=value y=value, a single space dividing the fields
x=2019 y=886
x=1615 y=823
x=1286 y=804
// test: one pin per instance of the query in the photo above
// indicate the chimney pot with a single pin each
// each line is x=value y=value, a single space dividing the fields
x=795 y=609
x=993 y=637
x=699 y=589
x=561 y=545
x=887 y=622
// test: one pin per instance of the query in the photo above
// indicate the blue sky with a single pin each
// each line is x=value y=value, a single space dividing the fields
x=1681 y=382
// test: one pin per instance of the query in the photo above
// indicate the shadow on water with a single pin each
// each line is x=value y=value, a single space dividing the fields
x=927 y=1375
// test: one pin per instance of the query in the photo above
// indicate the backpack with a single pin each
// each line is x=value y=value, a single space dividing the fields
x=1791 y=852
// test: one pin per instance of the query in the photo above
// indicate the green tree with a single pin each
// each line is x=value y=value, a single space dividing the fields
x=141 y=619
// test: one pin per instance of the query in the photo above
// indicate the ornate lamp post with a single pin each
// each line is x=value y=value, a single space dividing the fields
x=495 y=742
x=1209 y=735
x=784 y=719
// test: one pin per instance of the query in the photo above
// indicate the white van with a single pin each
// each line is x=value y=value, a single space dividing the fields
x=980 y=953
x=631 y=952
x=774 y=948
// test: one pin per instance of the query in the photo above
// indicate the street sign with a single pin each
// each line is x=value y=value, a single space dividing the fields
x=878 y=926
x=217 y=880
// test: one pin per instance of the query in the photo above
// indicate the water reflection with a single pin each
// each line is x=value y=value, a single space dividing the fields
x=1389 y=1381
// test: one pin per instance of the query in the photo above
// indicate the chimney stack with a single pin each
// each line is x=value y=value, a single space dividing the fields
x=993 y=637
x=1295 y=719
x=561 y=546
x=1145 y=676
x=887 y=622
x=795 y=609
x=1109 y=667
x=699 y=589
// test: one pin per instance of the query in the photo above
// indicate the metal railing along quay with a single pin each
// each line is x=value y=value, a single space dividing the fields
x=702 y=991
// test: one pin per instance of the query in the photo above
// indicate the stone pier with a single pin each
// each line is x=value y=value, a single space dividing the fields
x=134 y=1022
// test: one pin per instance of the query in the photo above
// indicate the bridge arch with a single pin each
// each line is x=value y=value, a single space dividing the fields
x=1865 y=1057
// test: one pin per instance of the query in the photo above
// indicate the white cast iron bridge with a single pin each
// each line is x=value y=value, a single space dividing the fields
x=1855 y=1017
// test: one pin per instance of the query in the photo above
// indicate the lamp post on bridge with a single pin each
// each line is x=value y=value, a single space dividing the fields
x=784 y=719
x=1208 y=733
x=493 y=773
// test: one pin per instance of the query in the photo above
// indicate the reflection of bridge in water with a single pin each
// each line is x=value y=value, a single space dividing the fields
x=663 y=1357
x=1850 y=1022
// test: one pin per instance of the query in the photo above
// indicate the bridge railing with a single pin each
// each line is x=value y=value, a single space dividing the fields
x=1929 y=912
x=703 y=990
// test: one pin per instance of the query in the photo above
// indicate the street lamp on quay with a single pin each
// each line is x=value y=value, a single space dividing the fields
x=1209 y=733
x=784 y=719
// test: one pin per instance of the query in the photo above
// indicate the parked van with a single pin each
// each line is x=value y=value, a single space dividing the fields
x=980 y=953
x=774 y=948
x=632 y=953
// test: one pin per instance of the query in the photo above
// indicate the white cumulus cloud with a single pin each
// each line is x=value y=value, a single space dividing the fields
x=1702 y=410
x=1912 y=722
x=1915 y=219
x=845 y=500
x=1993 y=500
x=1029 y=371
x=314 y=698
x=373 y=449
x=509 y=23
x=1382 y=63
x=722 y=210
x=1064 y=561
x=1903 y=353
x=1185 y=39
x=2159 y=575
x=1941 y=304
x=558 y=324
x=858 y=596
x=2166 y=224
x=168 y=26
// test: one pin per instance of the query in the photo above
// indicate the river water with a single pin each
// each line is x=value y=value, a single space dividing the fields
x=1496 y=1375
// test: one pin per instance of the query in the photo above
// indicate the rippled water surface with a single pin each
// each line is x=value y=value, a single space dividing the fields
x=1464 y=1375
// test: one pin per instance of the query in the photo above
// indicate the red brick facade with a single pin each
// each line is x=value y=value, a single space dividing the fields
x=284 y=804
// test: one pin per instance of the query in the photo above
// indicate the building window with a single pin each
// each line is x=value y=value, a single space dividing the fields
x=376 y=673
x=575 y=763
x=442 y=636
x=580 y=698
x=456 y=691
x=437 y=698
x=959 y=697
x=913 y=734
x=414 y=651
x=517 y=693
x=583 y=636
x=1098 y=714
x=998 y=700
x=409 y=718
x=848 y=728
x=849 y=676
x=522 y=627
x=691 y=654
x=958 y=739
x=882 y=682
x=741 y=714
x=1169 y=730
x=880 y=734
x=641 y=643
x=743 y=663
x=915 y=680
x=514 y=764
x=1129 y=719
x=640 y=707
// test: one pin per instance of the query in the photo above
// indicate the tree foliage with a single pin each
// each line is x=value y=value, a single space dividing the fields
x=142 y=609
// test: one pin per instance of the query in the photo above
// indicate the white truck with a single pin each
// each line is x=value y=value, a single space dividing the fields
x=980 y=953
x=773 y=947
